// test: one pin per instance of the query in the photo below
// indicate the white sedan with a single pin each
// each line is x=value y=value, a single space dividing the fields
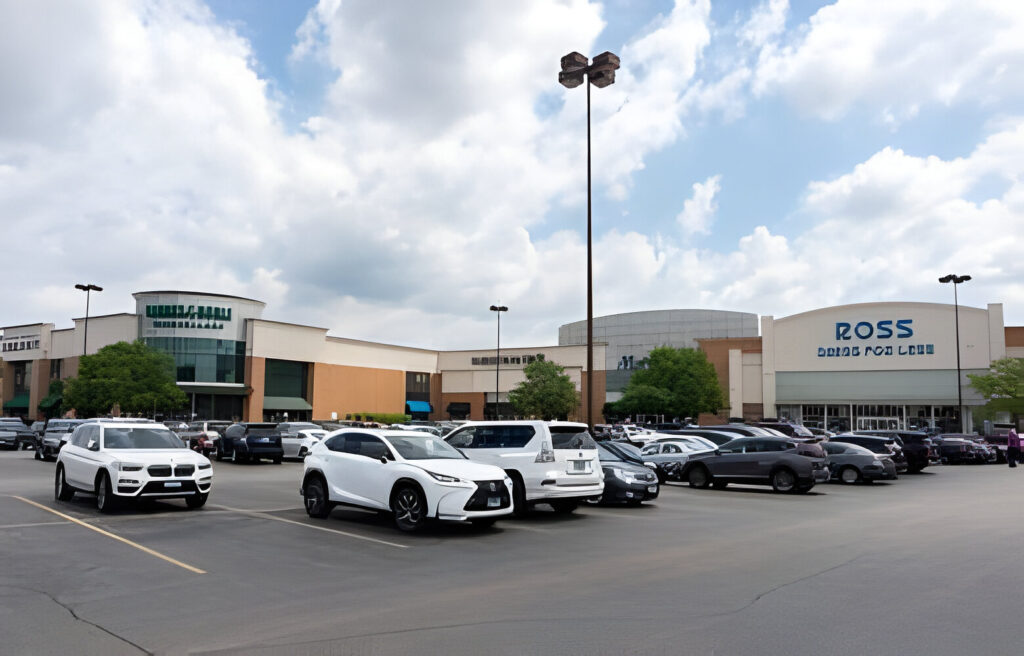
x=413 y=475
x=301 y=443
x=119 y=460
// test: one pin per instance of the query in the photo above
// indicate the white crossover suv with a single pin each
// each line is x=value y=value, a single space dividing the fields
x=553 y=462
x=118 y=460
x=413 y=475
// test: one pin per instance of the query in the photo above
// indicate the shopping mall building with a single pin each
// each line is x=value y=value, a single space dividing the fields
x=853 y=366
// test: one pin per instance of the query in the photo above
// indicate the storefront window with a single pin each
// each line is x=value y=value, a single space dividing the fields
x=201 y=360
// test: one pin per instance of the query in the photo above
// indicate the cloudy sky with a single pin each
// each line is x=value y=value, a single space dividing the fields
x=390 y=169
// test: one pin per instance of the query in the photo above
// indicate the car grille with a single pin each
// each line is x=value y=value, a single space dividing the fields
x=485 y=490
x=160 y=487
x=184 y=470
x=159 y=470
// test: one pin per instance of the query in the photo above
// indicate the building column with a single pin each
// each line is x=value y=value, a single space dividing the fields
x=735 y=383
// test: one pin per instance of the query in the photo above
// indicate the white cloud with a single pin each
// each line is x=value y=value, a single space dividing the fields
x=766 y=22
x=699 y=209
x=895 y=57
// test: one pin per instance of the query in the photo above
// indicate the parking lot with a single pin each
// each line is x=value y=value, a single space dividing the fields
x=928 y=564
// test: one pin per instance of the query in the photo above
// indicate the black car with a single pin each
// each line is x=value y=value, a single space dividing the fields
x=917 y=447
x=849 y=463
x=250 y=441
x=15 y=435
x=57 y=433
x=885 y=446
x=957 y=450
x=786 y=464
x=626 y=478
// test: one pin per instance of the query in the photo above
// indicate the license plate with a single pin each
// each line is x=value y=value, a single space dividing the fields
x=652 y=488
x=172 y=484
x=579 y=465
x=493 y=502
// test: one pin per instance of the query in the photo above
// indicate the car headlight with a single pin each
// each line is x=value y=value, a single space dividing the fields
x=445 y=479
x=876 y=463
x=128 y=466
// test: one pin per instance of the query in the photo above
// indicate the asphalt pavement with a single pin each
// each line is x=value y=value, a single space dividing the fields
x=928 y=564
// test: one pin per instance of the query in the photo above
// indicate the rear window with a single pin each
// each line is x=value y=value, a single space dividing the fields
x=492 y=437
x=570 y=437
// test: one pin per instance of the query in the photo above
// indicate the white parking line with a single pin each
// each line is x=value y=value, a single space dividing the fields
x=520 y=527
x=314 y=527
x=3 y=526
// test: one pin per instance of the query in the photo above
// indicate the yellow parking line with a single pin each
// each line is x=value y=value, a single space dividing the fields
x=114 y=537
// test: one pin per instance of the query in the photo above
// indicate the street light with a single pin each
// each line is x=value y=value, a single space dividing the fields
x=956 y=280
x=497 y=362
x=87 y=289
x=600 y=73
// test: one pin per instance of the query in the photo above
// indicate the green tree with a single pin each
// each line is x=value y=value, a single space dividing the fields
x=547 y=392
x=52 y=403
x=677 y=381
x=134 y=376
x=1003 y=386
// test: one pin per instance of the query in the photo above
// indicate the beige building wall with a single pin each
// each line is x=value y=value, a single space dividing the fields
x=103 y=331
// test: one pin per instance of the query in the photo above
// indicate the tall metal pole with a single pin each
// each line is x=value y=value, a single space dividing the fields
x=590 y=286
x=497 y=368
x=959 y=387
x=85 y=338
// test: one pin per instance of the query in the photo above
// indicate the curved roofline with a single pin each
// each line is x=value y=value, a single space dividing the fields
x=625 y=314
x=191 y=293
x=877 y=304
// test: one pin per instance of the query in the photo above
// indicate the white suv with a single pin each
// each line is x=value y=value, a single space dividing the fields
x=116 y=460
x=412 y=474
x=549 y=462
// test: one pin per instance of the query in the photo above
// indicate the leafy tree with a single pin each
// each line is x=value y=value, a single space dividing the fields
x=134 y=376
x=1003 y=386
x=52 y=403
x=547 y=392
x=677 y=381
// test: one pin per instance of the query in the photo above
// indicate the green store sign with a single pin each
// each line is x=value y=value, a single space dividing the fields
x=188 y=316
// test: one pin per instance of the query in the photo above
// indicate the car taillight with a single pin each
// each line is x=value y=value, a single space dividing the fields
x=546 y=454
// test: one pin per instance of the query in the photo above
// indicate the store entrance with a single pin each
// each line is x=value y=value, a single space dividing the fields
x=878 y=423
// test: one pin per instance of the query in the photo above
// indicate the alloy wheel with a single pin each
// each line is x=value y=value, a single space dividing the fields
x=783 y=481
x=408 y=509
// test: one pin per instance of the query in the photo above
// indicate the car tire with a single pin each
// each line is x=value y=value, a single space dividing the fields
x=61 y=490
x=218 y=455
x=409 y=508
x=483 y=522
x=783 y=480
x=804 y=489
x=849 y=475
x=699 y=477
x=38 y=454
x=661 y=477
x=196 y=500
x=314 y=498
x=720 y=485
x=564 y=506
x=520 y=508
x=278 y=459
x=105 y=500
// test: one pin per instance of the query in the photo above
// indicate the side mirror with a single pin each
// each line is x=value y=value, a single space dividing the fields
x=93 y=445
x=384 y=460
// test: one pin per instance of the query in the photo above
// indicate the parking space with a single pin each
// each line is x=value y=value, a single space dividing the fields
x=739 y=571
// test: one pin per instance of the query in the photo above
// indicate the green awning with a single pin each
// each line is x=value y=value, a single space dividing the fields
x=199 y=388
x=285 y=403
x=20 y=401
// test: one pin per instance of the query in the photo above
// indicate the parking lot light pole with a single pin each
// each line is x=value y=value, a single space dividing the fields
x=497 y=361
x=956 y=280
x=87 y=288
x=600 y=73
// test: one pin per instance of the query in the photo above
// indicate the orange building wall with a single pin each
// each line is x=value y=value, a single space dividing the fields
x=475 y=400
x=255 y=377
x=1014 y=336
x=355 y=390
x=717 y=352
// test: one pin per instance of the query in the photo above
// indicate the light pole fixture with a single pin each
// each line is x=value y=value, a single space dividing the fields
x=600 y=73
x=956 y=280
x=87 y=288
x=497 y=361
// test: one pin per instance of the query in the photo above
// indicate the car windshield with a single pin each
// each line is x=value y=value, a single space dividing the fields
x=424 y=446
x=118 y=437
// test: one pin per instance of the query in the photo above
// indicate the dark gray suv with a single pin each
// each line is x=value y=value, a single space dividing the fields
x=787 y=465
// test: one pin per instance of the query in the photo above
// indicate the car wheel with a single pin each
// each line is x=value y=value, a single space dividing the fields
x=849 y=475
x=519 y=506
x=105 y=501
x=61 y=490
x=196 y=500
x=38 y=454
x=783 y=480
x=564 y=507
x=661 y=477
x=314 y=497
x=484 y=522
x=218 y=455
x=410 y=508
x=720 y=485
x=277 y=460
x=699 y=477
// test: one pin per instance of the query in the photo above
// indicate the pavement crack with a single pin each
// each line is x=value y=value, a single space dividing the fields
x=77 y=617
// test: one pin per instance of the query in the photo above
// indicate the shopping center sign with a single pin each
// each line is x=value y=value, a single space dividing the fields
x=881 y=331
x=188 y=316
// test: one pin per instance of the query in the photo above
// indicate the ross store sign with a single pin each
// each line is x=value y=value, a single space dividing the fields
x=882 y=330
x=188 y=316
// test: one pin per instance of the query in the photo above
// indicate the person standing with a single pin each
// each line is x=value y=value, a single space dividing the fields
x=1012 y=447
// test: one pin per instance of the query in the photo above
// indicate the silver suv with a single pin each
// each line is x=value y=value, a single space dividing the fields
x=555 y=463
